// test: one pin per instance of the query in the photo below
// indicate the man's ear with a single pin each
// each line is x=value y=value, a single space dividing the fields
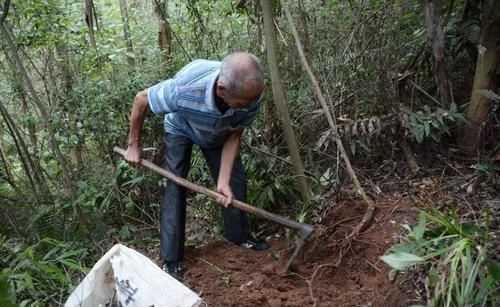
x=220 y=88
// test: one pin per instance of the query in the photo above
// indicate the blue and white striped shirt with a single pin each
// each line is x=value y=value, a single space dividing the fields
x=188 y=102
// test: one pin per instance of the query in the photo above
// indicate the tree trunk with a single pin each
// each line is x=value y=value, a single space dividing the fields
x=432 y=12
x=279 y=98
x=126 y=33
x=403 y=99
x=164 y=33
x=488 y=58
x=89 y=18
x=5 y=161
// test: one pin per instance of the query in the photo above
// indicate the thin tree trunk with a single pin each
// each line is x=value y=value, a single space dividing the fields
x=22 y=152
x=5 y=161
x=370 y=205
x=305 y=28
x=279 y=98
x=403 y=100
x=89 y=18
x=434 y=24
x=41 y=108
x=126 y=33
x=18 y=88
x=164 y=34
x=487 y=61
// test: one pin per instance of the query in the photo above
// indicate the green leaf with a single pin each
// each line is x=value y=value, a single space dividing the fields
x=270 y=194
x=433 y=276
x=494 y=270
x=418 y=232
x=71 y=253
x=490 y=95
x=133 y=182
x=427 y=128
x=72 y=264
x=325 y=178
x=418 y=132
x=7 y=296
x=401 y=261
x=403 y=248
x=453 y=108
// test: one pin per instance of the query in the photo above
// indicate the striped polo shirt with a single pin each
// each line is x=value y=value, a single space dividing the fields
x=188 y=103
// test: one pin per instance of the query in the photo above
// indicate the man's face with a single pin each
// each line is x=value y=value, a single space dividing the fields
x=234 y=101
x=244 y=101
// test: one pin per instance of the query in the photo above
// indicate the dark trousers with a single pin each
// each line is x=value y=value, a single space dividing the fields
x=173 y=210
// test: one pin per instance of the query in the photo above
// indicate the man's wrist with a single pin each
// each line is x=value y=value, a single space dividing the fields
x=133 y=144
x=222 y=182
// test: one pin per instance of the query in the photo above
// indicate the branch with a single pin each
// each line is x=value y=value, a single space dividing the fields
x=369 y=202
x=5 y=11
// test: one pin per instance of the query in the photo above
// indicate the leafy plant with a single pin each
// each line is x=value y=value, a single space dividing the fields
x=39 y=274
x=455 y=255
x=491 y=171
x=427 y=123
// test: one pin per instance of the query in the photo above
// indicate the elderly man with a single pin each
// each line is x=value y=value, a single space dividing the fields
x=206 y=103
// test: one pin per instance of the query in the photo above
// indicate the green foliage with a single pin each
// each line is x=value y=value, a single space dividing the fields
x=490 y=170
x=39 y=274
x=455 y=256
x=490 y=95
x=354 y=48
x=431 y=124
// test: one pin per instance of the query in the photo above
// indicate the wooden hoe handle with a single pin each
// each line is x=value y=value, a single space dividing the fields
x=304 y=230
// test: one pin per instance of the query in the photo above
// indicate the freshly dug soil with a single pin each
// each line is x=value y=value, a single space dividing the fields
x=227 y=275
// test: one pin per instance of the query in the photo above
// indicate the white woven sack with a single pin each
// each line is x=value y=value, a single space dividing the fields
x=138 y=281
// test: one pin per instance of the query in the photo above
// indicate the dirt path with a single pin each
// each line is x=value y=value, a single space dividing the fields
x=226 y=275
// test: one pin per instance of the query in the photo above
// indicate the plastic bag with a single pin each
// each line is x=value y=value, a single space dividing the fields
x=125 y=277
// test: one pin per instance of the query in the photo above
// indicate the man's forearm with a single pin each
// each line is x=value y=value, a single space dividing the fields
x=230 y=151
x=137 y=119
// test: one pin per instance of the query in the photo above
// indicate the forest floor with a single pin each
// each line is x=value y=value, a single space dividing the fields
x=226 y=275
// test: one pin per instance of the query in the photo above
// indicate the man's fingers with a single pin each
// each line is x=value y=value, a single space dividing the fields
x=221 y=200
x=225 y=200
x=229 y=200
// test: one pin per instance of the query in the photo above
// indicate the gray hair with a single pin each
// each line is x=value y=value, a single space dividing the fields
x=235 y=71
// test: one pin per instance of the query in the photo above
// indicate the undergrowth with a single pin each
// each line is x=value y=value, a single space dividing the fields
x=454 y=256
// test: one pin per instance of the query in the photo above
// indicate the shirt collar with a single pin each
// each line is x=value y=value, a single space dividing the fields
x=210 y=92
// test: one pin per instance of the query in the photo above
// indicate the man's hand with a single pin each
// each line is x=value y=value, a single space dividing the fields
x=225 y=189
x=133 y=155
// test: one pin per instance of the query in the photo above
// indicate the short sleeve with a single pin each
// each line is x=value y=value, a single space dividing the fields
x=162 y=98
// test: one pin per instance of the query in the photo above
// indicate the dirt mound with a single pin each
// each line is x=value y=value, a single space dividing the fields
x=226 y=275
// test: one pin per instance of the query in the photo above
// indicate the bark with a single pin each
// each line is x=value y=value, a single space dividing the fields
x=126 y=33
x=369 y=202
x=433 y=19
x=5 y=161
x=279 y=98
x=305 y=28
x=488 y=59
x=89 y=18
x=164 y=33
x=159 y=9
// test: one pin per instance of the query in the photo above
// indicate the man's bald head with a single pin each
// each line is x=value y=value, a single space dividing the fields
x=241 y=74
